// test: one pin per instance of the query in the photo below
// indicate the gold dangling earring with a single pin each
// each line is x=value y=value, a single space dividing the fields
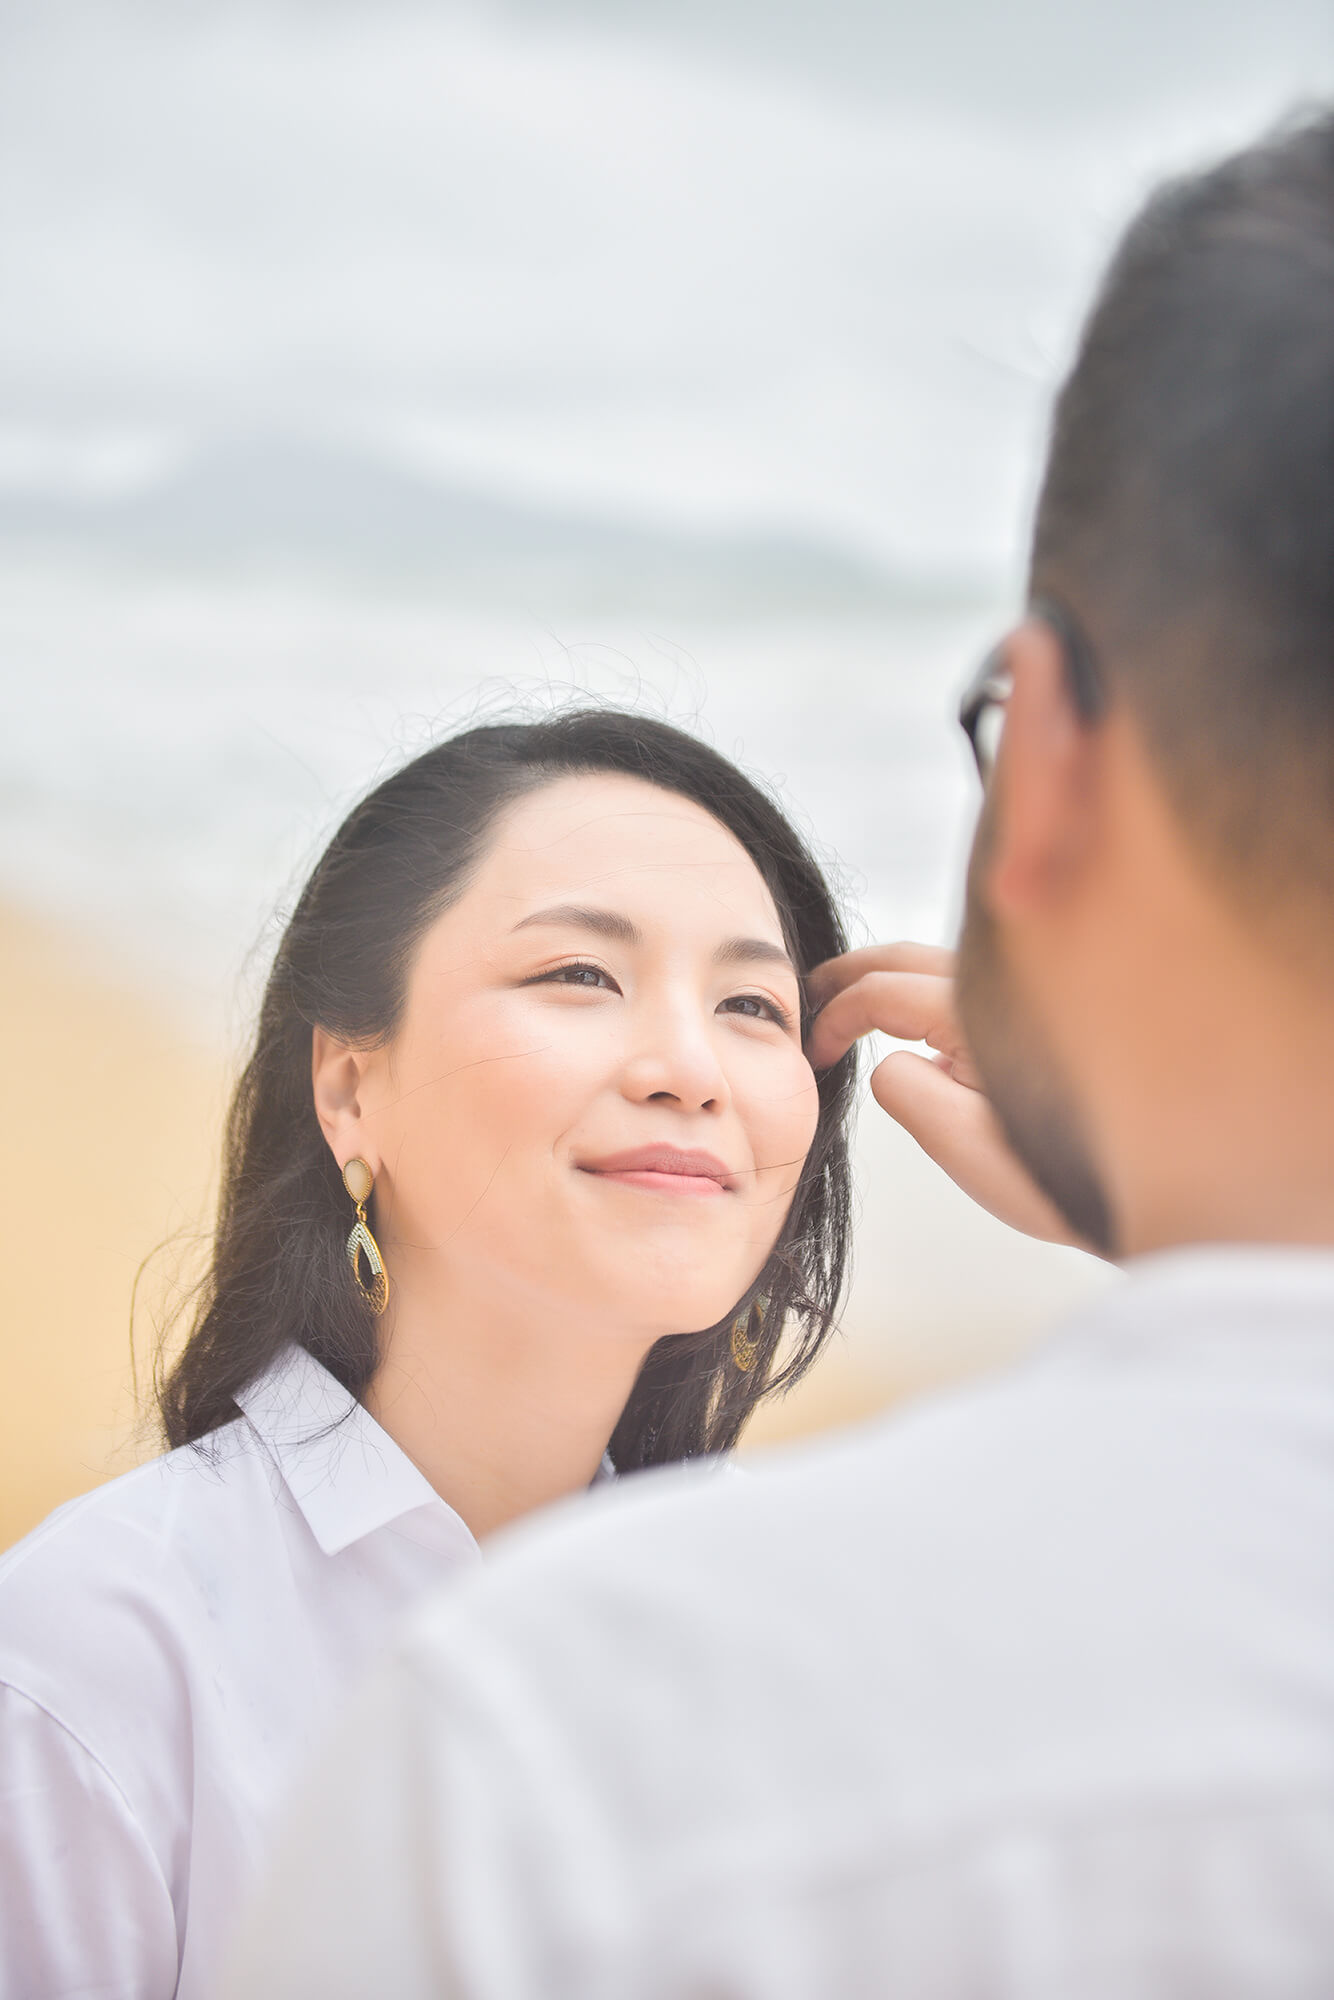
x=359 y=1180
x=745 y=1350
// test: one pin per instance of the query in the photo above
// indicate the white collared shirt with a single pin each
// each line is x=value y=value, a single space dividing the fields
x=169 y=1646
x=1025 y=1693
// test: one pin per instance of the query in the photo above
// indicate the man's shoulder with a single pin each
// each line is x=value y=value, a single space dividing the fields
x=933 y=1473
x=1182 y=1407
x=1068 y=1634
x=689 y=1563
x=1073 y=1575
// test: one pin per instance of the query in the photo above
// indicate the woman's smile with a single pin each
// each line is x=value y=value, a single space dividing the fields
x=663 y=1170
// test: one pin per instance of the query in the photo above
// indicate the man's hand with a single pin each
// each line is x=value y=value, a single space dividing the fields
x=907 y=991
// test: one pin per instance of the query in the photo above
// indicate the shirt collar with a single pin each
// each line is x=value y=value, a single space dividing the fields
x=344 y=1472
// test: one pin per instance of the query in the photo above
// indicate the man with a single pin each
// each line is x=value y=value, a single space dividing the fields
x=1027 y=1690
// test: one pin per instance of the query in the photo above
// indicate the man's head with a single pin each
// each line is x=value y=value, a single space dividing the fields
x=1168 y=858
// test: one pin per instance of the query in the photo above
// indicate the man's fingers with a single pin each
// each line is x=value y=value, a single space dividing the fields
x=957 y=1127
x=959 y=1065
x=947 y=1120
x=837 y=973
x=911 y=1006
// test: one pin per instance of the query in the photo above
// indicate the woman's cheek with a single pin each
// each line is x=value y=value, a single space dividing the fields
x=806 y=1104
x=782 y=1111
x=490 y=1074
x=542 y=1063
x=525 y=1026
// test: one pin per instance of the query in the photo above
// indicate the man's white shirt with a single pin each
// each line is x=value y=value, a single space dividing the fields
x=1026 y=1691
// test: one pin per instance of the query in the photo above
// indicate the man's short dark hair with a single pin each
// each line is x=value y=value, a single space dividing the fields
x=1187 y=514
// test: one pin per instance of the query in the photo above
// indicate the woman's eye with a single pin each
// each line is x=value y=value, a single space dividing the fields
x=590 y=976
x=754 y=1007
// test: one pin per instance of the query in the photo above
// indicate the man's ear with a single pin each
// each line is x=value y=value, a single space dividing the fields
x=1042 y=806
x=337 y=1073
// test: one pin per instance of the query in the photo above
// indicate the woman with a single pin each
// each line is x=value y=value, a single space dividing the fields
x=525 y=1181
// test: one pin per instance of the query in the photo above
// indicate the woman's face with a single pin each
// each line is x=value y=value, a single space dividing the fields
x=597 y=1103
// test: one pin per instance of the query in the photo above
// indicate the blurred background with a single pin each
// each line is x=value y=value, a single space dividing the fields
x=367 y=366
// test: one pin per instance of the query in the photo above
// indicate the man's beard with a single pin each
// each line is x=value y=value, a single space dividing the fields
x=1035 y=1107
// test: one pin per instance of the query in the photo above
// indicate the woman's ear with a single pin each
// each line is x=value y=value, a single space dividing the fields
x=336 y=1075
x=1043 y=809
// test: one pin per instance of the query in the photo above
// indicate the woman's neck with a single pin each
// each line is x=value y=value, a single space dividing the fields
x=503 y=1415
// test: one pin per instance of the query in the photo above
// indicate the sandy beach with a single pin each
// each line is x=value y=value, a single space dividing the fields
x=112 y=1120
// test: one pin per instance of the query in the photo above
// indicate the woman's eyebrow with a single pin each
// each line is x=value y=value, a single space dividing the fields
x=574 y=916
x=752 y=951
x=611 y=924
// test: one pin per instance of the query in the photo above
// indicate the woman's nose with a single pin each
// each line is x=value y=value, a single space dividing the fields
x=673 y=1058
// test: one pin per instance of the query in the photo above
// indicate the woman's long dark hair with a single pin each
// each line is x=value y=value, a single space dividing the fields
x=279 y=1272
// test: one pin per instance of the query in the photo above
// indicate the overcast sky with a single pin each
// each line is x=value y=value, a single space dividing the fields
x=807 y=263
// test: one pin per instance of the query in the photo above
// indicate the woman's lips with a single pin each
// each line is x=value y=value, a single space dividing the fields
x=663 y=1170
